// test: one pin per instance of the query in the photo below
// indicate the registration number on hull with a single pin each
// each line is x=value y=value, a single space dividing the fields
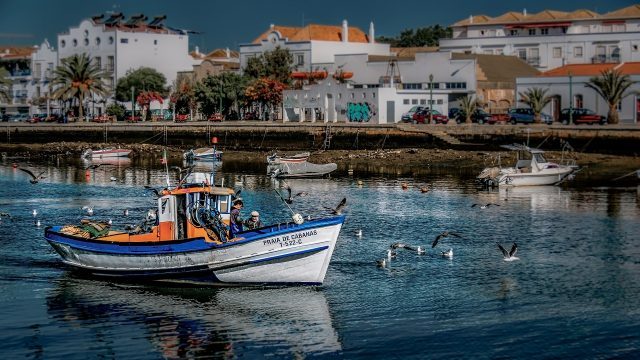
x=290 y=240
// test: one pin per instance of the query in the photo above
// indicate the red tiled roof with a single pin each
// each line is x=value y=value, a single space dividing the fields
x=315 y=32
x=16 y=52
x=630 y=68
x=551 y=16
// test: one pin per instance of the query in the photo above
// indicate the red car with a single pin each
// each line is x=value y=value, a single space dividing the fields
x=581 y=116
x=182 y=117
x=498 y=118
x=215 y=117
x=422 y=117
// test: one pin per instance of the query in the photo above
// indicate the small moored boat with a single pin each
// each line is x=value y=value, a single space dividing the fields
x=186 y=239
x=105 y=153
x=531 y=169
x=203 y=154
x=297 y=158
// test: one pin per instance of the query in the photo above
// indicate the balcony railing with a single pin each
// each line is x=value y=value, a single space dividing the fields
x=533 y=60
x=600 y=59
x=17 y=73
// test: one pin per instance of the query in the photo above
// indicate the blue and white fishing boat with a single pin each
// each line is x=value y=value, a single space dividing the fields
x=186 y=239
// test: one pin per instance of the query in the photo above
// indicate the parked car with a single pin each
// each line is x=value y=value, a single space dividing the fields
x=498 y=118
x=526 y=116
x=36 y=118
x=422 y=117
x=5 y=117
x=479 y=116
x=408 y=116
x=582 y=116
x=453 y=113
x=215 y=117
x=20 y=117
x=136 y=117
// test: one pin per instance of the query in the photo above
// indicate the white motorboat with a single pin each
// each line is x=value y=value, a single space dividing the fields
x=105 y=153
x=531 y=169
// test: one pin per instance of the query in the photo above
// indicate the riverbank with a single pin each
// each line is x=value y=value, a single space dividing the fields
x=599 y=169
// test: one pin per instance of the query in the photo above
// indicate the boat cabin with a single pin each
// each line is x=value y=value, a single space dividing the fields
x=528 y=159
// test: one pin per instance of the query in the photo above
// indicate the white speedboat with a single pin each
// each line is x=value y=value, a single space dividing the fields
x=531 y=169
x=105 y=153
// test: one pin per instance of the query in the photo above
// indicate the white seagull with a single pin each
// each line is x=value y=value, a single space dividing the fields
x=447 y=254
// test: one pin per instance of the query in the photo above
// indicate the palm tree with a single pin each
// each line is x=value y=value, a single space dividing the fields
x=468 y=106
x=536 y=99
x=78 y=78
x=611 y=86
x=5 y=84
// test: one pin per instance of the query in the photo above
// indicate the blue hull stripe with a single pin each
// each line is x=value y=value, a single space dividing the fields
x=53 y=235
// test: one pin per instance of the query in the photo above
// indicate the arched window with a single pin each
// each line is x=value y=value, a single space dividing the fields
x=75 y=42
x=98 y=41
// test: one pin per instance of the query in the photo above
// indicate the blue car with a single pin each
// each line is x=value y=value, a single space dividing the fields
x=526 y=116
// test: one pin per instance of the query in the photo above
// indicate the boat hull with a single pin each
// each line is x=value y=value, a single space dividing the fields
x=548 y=177
x=293 y=254
x=108 y=154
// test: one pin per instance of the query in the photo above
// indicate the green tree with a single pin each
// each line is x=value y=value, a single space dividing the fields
x=220 y=93
x=5 y=84
x=78 y=78
x=184 y=97
x=426 y=36
x=116 y=110
x=275 y=64
x=142 y=79
x=611 y=86
x=468 y=105
x=536 y=99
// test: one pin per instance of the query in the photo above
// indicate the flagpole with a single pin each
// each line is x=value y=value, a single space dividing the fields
x=166 y=166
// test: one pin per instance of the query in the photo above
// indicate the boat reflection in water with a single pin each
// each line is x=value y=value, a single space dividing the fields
x=187 y=322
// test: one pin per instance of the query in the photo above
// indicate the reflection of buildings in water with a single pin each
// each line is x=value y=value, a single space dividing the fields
x=196 y=322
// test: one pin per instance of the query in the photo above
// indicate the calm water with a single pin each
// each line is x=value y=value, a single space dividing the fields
x=575 y=292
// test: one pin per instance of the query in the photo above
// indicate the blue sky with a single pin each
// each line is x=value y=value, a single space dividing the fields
x=229 y=23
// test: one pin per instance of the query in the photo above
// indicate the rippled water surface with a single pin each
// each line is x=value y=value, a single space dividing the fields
x=575 y=292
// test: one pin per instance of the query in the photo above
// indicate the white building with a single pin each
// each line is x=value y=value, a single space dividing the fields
x=314 y=46
x=568 y=82
x=381 y=88
x=120 y=45
x=550 y=39
x=30 y=70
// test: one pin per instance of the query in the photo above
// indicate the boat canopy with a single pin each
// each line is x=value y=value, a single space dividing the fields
x=198 y=188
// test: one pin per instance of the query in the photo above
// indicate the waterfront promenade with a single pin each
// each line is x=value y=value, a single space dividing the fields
x=621 y=138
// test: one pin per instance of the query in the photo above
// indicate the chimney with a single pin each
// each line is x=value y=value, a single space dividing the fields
x=345 y=31
x=470 y=19
x=271 y=27
x=524 y=12
x=372 y=33
x=197 y=50
x=228 y=53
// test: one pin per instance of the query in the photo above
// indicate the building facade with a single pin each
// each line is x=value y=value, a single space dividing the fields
x=119 y=45
x=551 y=39
x=566 y=86
x=382 y=88
x=314 y=47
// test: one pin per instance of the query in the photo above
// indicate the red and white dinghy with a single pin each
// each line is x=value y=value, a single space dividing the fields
x=106 y=153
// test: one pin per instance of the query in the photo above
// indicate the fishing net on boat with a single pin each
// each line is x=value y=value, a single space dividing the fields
x=87 y=229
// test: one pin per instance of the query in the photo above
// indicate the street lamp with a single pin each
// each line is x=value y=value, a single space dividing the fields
x=430 y=98
x=570 y=98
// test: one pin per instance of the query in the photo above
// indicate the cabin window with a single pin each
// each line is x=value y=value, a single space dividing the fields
x=223 y=204
x=540 y=158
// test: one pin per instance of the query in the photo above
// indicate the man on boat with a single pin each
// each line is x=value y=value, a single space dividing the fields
x=254 y=221
x=235 y=220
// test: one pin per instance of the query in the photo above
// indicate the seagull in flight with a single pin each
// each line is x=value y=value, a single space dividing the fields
x=447 y=254
x=154 y=190
x=34 y=178
x=510 y=255
x=484 y=206
x=302 y=193
x=339 y=208
x=445 y=234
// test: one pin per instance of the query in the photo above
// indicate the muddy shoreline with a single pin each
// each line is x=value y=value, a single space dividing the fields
x=400 y=162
